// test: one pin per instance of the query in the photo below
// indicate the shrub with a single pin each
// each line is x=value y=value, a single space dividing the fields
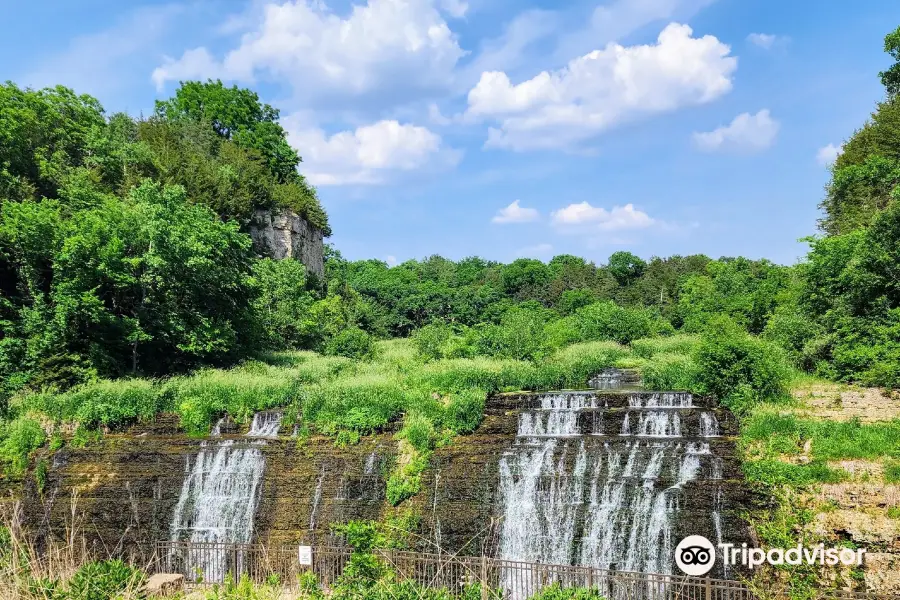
x=793 y=332
x=352 y=342
x=675 y=344
x=739 y=369
x=609 y=321
x=892 y=472
x=430 y=340
x=419 y=431
x=520 y=334
x=20 y=438
x=562 y=332
x=103 y=580
x=557 y=592
x=669 y=372
x=465 y=410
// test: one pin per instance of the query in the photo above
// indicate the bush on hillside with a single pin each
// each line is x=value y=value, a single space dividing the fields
x=793 y=331
x=20 y=438
x=103 y=580
x=609 y=321
x=669 y=371
x=352 y=342
x=739 y=369
x=431 y=340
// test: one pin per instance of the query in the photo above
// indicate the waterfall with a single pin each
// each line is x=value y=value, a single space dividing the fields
x=317 y=498
x=604 y=489
x=219 y=497
x=709 y=425
x=216 y=430
x=369 y=468
x=265 y=425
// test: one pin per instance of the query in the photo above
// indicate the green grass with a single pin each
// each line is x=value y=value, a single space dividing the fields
x=775 y=472
x=669 y=371
x=785 y=433
x=892 y=471
x=673 y=344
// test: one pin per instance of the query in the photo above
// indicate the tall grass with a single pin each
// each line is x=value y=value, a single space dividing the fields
x=673 y=344
x=669 y=371
x=785 y=433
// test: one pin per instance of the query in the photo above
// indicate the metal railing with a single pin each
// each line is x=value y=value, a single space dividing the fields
x=208 y=563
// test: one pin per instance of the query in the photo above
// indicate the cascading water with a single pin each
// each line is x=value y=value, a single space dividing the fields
x=265 y=425
x=220 y=495
x=604 y=488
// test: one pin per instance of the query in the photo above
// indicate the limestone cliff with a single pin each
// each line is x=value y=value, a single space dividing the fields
x=282 y=233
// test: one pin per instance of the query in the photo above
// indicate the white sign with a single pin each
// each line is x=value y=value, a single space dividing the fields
x=304 y=555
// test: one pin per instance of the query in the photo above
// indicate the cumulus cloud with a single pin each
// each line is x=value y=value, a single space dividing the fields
x=581 y=216
x=828 y=154
x=746 y=132
x=766 y=41
x=602 y=89
x=391 y=260
x=370 y=154
x=382 y=45
x=514 y=213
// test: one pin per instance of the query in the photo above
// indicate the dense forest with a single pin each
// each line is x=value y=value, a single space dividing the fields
x=124 y=254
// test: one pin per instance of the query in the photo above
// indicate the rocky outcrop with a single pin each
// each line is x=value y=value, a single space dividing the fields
x=282 y=233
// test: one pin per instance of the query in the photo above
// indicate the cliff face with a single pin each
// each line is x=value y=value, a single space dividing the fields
x=282 y=233
x=128 y=484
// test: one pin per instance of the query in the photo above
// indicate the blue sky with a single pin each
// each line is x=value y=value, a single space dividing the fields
x=510 y=128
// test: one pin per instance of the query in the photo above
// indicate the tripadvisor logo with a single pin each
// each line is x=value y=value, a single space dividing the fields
x=695 y=555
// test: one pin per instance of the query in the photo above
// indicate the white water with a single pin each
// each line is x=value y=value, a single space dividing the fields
x=265 y=425
x=218 y=501
x=317 y=498
x=220 y=495
x=709 y=425
x=369 y=468
x=570 y=498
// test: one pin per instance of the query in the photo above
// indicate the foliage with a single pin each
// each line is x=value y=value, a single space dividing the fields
x=609 y=321
x=18 y=439
x=890 y=78
x=670 y=371
x=103 y=579
x=737 y=368
x=352 y=342
x=625 y=267
x=556 y=591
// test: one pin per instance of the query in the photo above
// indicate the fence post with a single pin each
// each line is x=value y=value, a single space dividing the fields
x=590 y=577
x=708 y=588
x=484 y=589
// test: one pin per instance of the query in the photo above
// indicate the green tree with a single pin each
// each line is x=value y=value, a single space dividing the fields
x=235 y=114
x=890 y=78
x=625 y=267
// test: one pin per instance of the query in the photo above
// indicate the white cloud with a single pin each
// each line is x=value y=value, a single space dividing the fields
x=828 y=154
x=611 y=21
x=602 y=89
x=536 y=251
x=515 y=214
x=578 y=217
x=766 y=41
x=391 y=260
x=455 y=8
x=746 y=132
x=384 y=45
x=368 y=155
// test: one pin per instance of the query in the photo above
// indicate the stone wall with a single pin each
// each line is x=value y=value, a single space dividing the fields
x=282 y=233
